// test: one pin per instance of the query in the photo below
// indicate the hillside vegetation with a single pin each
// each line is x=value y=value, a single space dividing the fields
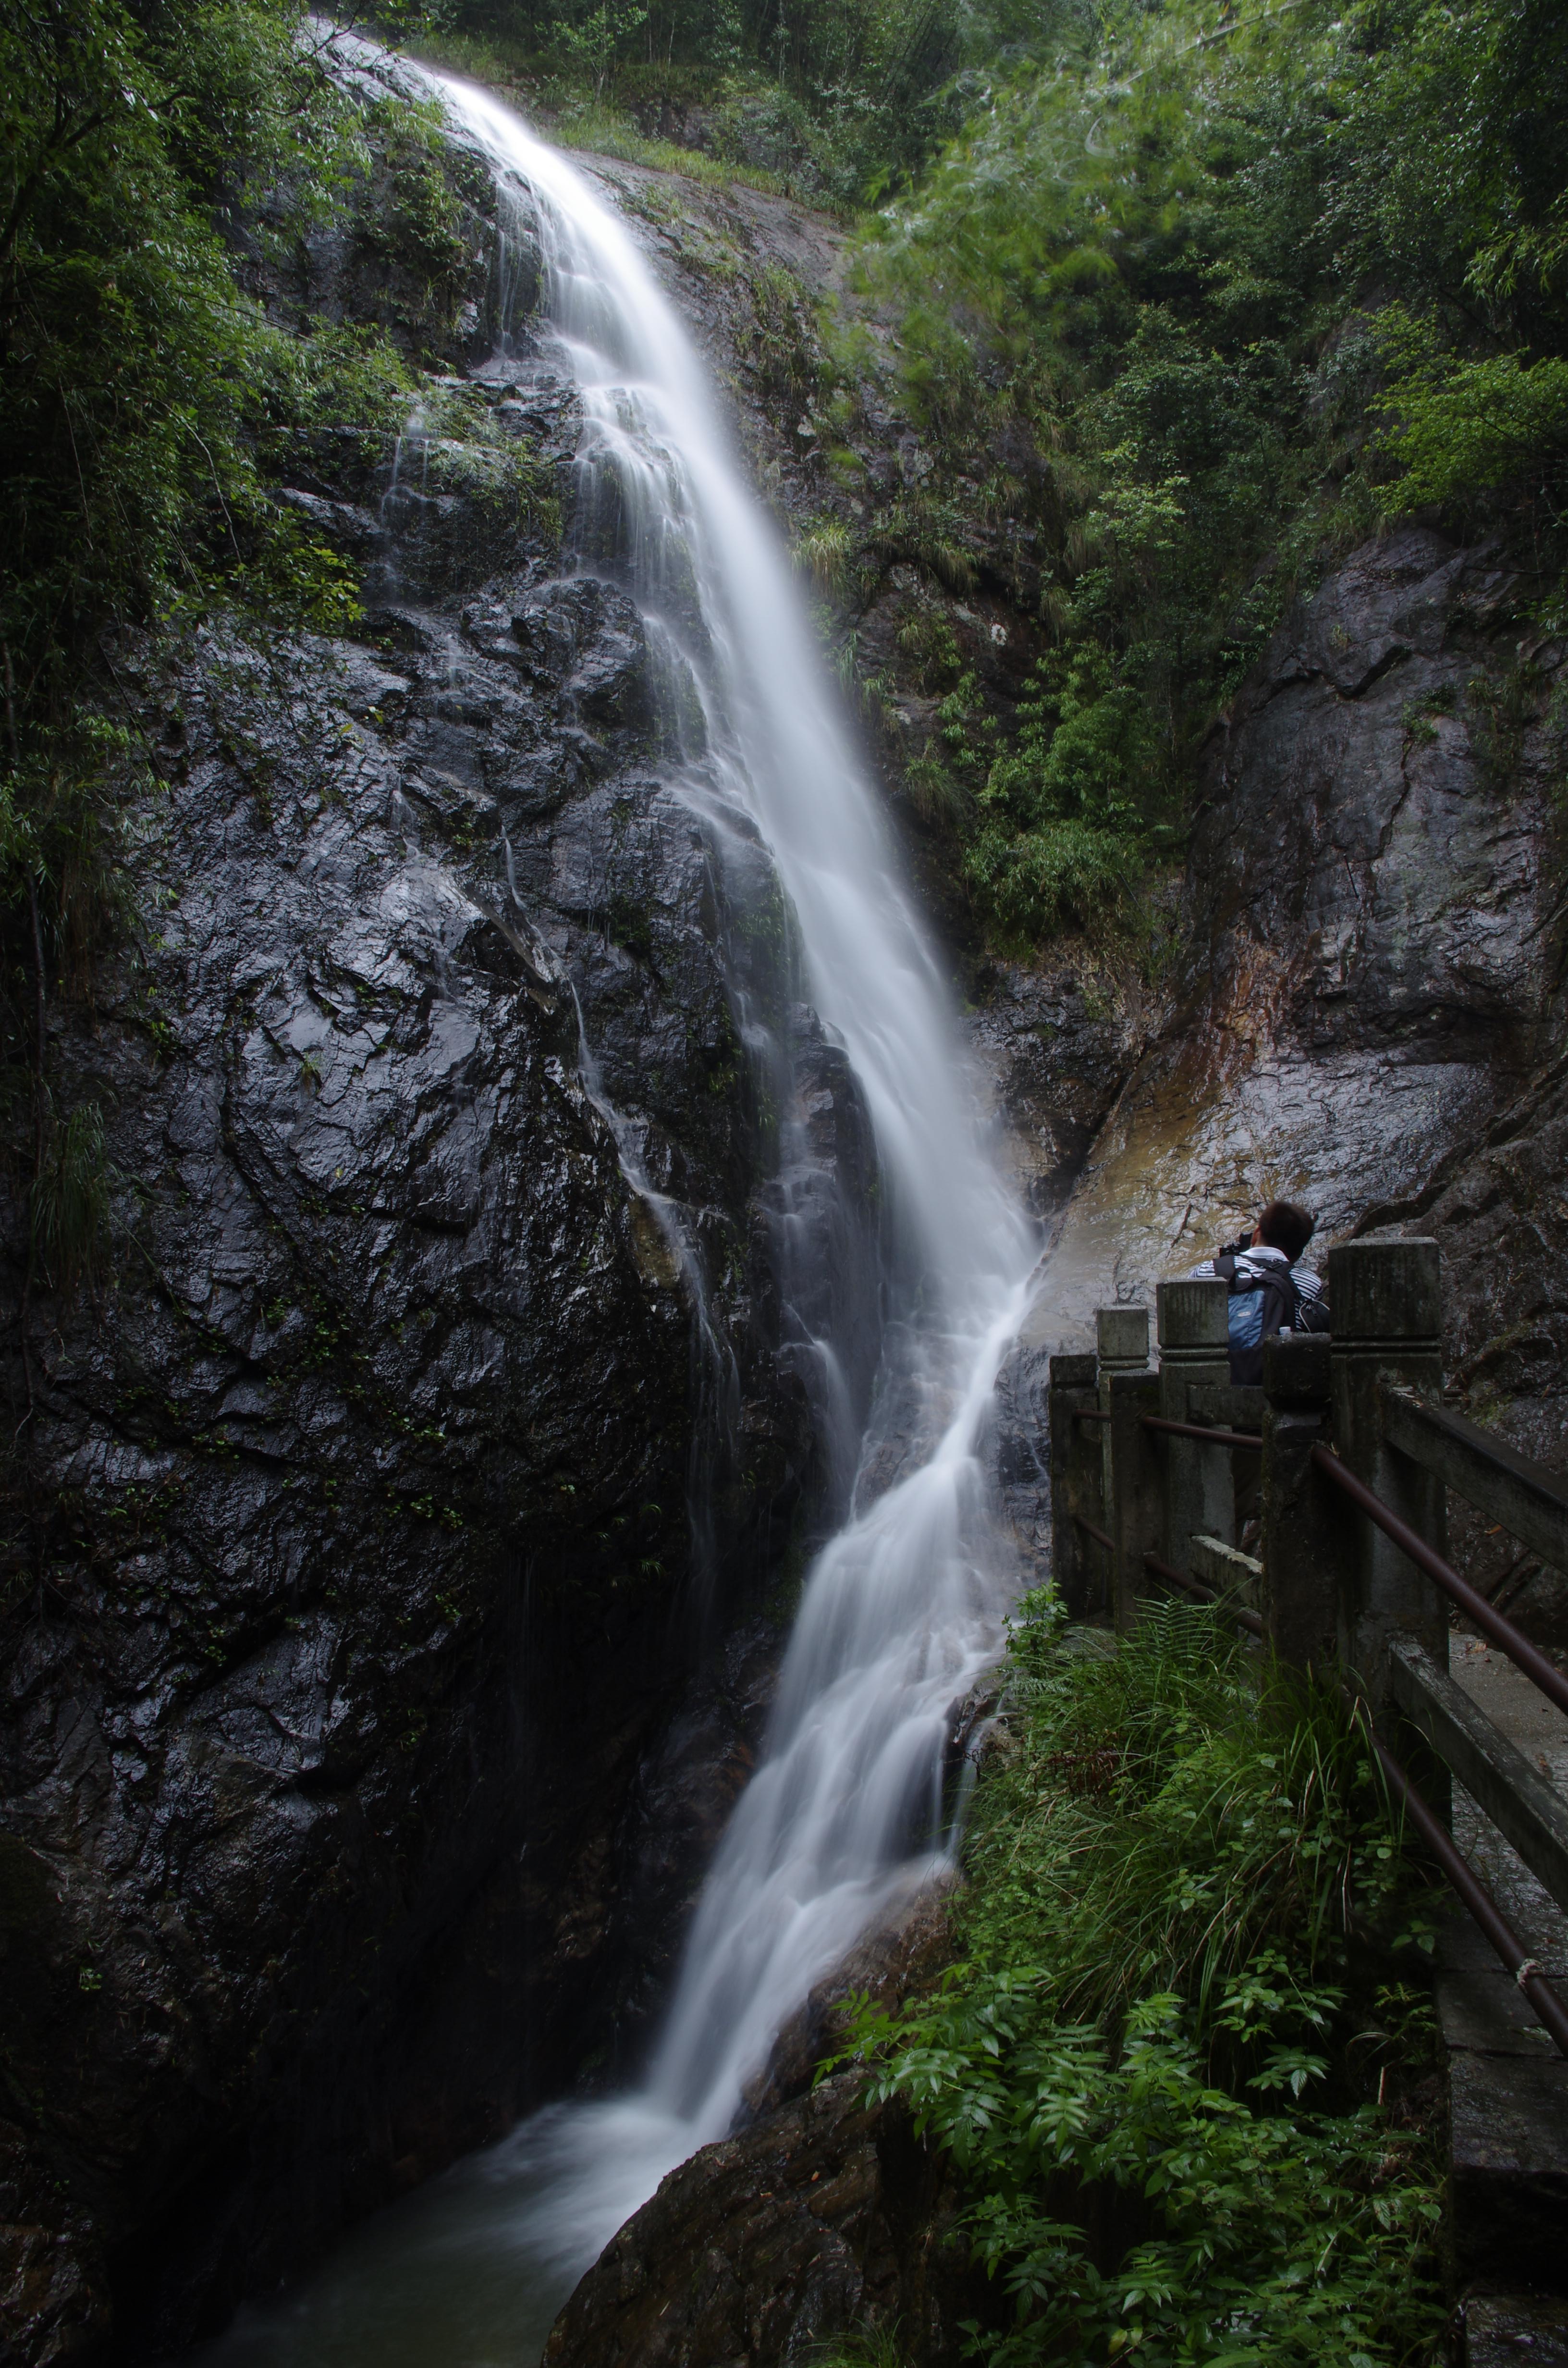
x=1181 y=318
x=156 y=162
x=1181 y=304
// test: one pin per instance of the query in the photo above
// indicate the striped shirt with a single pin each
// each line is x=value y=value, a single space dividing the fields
x=1256 y=1263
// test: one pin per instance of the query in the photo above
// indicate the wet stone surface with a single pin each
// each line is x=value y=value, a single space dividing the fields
x=1372 y=970
x=824 y=2215
x=357 y=1580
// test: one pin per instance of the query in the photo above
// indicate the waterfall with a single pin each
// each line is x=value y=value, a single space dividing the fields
x=901 y=1609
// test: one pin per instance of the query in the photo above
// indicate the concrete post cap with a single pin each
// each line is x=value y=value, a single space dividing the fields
x=1385 y=1291
x=1296 y=1369
x=1194 y=1314
x=1121 y=1335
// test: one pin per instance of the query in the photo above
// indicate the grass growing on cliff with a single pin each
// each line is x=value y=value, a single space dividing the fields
x=1186 y=2070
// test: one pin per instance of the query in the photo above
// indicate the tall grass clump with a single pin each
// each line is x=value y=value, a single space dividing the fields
x=1186 y=2070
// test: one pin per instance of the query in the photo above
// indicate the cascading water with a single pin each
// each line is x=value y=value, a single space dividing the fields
x=901 y=1609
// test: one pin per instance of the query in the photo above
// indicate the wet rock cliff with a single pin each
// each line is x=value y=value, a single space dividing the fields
x=354 y=1577
x=1373 y=971
x=371 y=1698
x=826 y=2216
x=1366 y=1017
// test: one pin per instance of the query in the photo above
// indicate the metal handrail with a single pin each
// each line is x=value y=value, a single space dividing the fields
x=1492 y=1623
x=1199 y=1431
x=1534 y=1988
x=1509 y=1487
x=1503 y=1468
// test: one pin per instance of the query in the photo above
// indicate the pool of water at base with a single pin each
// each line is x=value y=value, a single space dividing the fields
x=444 y=2278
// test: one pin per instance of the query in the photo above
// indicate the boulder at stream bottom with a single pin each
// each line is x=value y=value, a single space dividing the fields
x=824 y=2215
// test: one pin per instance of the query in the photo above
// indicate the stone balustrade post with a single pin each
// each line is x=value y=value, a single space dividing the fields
x=1195 y=1353
x=1133 y=1496
x=1308 y=1535
x=1077 y=1481
x=1385 y=1301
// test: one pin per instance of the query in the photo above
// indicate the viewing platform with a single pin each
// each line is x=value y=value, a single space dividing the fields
x=1314 y=1510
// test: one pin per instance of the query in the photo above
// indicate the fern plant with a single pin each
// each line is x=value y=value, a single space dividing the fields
x=1184 y=2070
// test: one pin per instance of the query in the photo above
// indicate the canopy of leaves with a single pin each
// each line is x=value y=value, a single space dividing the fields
x=843 y=99
x=128 y=360
x=1142 y=315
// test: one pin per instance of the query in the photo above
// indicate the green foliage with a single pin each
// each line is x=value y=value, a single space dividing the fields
x=1181 y=2070
x=592 y=37
x=931 y=647
x=345 y=378
x=129 y=360
x=505 y=485
x=823 y=551
x=1127 y=307
x=1452 y=160
x=1108 y=283
x=422 y=225
x=1040 y=882
x=58 y=873
x=148 y=409
x=878 y=2348
x=1458 y=429
x=1083 y=774
x=840 y=101
x=783 y=344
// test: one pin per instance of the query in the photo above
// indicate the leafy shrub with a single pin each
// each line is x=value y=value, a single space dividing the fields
x=1037 y=883
x=823 y=551
x=1125 y=308
x=1458 y=429
x=1185 y=2068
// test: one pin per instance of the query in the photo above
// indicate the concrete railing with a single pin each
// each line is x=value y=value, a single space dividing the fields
x=1313 y=1509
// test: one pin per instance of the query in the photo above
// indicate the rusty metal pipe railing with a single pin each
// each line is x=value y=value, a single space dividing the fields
x=1199 y=1431
x=1537 y=1991
x=1099 y=1536
x=1495 y=1625
x=1088 y=1413
x=1194 y=1587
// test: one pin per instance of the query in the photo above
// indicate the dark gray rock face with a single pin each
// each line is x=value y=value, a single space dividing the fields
x=1373 y=963
x=824 y=2215
x=353 y=1579
x=1365 y=875
x=1497 y=1208
x=1056 y=1046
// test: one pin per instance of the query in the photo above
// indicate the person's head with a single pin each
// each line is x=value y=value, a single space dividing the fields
x=1283 y=1227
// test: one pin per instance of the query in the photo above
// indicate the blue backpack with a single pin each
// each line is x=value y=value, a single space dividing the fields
x=1258 y=1309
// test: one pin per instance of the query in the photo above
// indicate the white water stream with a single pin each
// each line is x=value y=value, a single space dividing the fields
x=901 y=1609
